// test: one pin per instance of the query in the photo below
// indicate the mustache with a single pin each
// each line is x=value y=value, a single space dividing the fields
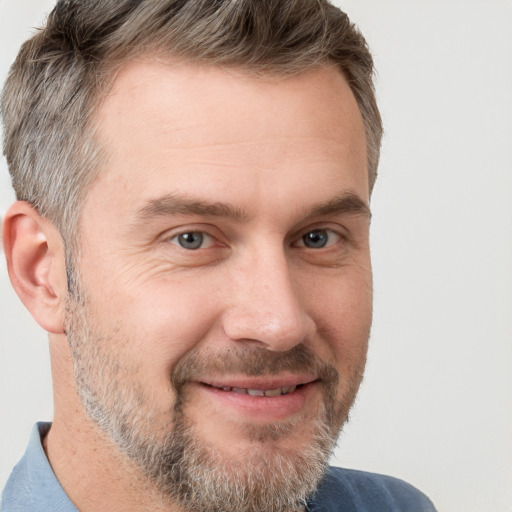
x=253 y=362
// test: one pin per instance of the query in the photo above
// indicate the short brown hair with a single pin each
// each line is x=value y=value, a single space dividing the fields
x=63 y=71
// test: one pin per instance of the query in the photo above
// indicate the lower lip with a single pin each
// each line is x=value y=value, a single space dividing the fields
x=260 y=408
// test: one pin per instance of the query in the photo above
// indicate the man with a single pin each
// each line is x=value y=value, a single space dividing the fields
x=193 y=183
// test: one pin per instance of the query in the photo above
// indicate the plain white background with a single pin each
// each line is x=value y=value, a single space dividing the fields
x=436 y=405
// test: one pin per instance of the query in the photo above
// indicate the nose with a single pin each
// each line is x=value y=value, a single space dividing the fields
x=266 y=306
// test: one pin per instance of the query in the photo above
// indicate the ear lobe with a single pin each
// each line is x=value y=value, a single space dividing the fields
x=34 y=251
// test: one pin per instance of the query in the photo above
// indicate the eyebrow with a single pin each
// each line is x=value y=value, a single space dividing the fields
x=346 y=203
x=174 y=204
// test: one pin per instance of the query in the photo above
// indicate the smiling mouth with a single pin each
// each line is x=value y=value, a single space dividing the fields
x=264 y=399
x=284 y=390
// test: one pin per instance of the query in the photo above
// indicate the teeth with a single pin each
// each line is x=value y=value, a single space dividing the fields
x=274 y=392
x=260 y=392
x=256 y=392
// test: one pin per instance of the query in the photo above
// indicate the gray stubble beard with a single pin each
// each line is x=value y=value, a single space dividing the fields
x=184 y=469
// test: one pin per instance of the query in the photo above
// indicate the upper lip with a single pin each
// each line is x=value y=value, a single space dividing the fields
x=260 y=383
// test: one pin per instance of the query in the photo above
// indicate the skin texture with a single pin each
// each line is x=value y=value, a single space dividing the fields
x=255 y=165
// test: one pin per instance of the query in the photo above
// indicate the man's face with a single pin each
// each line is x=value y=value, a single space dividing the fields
x=224 y=275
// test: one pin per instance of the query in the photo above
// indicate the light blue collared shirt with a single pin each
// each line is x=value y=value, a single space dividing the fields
x=33 y=486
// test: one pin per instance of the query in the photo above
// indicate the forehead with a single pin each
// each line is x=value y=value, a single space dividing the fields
x=213 y=95
x=168 y=125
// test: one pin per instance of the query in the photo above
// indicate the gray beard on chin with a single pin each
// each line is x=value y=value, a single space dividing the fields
x=183 y=468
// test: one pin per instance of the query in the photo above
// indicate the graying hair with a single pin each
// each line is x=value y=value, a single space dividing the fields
x=62 y=73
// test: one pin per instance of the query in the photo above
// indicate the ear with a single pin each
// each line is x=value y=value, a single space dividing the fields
x=36 y=263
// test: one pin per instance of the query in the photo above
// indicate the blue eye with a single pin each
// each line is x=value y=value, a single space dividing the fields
x=320 y=238
x=192 y=240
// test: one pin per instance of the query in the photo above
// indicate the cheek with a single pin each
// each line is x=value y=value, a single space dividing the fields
x=164 y=319
x=341 y=306
x=341 y=298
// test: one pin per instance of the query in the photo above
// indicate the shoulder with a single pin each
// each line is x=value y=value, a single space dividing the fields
x=349 y=490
